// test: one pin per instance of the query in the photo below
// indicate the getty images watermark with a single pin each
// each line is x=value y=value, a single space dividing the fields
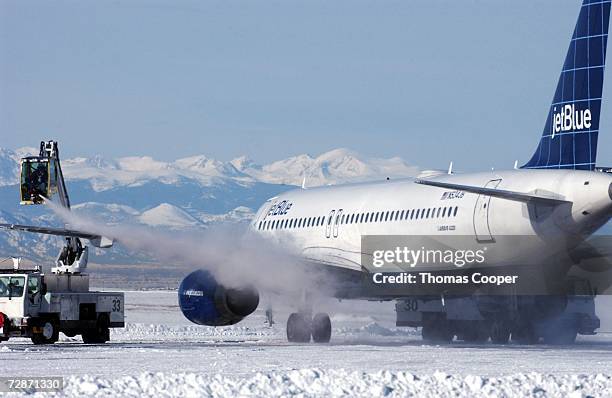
x=455 y=264
x=387 y=262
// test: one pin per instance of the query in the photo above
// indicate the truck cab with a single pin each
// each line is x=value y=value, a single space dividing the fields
x=40 y=306
x=20 y=293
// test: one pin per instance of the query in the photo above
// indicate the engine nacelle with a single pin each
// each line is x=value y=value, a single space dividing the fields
x=205 y=302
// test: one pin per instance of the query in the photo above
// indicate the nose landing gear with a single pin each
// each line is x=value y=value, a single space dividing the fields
x=302 y=326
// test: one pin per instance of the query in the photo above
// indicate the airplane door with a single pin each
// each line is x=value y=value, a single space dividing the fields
x=481 y=215
x=328 y=225
x=337 y=223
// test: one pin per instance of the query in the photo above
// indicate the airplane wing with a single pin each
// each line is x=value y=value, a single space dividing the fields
x=96 y=240
x=497 y=193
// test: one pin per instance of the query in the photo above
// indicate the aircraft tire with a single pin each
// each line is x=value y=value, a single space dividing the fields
x=437 y=332
x=299 y=328
x=500 y=332
x=321 y=328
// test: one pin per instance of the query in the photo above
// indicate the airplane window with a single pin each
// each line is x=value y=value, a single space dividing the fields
x=259 y=225
x=412 y=214
x=427 y=214
x=391 y=216
x=386 y=216
x=443 y=212
x=361 y=216
x=397 y=215
x=402 y=215
x=456 y=208
x=438 y=212
x=342 y=219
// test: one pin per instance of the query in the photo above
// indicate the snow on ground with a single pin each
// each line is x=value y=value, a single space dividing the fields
x=159 y=353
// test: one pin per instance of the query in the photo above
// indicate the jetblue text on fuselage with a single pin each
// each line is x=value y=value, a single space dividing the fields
x=570 y=119
x=280 y=208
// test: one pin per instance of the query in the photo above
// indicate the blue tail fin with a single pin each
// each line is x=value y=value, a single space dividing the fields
x=570 y=134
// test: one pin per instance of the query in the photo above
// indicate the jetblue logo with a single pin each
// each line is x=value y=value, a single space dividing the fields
x=570 y=119
x=280 y=209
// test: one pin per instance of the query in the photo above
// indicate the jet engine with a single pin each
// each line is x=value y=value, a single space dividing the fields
x=206 y=302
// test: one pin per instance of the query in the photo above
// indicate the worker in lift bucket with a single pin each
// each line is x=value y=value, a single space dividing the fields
x=37 y=184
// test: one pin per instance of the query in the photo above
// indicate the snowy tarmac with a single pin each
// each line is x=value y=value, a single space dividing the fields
x=159 y=344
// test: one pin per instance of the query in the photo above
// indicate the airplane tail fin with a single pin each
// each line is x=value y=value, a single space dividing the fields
x=570 y=134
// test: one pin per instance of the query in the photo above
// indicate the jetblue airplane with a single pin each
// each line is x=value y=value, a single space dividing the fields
x=558 y=196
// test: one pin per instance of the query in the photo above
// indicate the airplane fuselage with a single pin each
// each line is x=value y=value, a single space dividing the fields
x=326 y=224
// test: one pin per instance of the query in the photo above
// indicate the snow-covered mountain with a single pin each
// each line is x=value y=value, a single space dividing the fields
x=191 y=192
x=333 y=167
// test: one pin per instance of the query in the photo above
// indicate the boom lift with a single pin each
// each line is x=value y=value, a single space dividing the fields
x=37 y=305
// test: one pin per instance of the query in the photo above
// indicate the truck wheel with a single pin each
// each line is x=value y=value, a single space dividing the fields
x=99 y=335
x=49 y=335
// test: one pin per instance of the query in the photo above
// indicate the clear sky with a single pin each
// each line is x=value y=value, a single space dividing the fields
x=429 y=80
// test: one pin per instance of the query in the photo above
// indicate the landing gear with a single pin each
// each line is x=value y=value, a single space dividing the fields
x=476 y=332
x=298 y=328
x=321 y=328
x=301 y=327
x=560 y=333
x=437 y=331
x=500 y=332
x=525 y=333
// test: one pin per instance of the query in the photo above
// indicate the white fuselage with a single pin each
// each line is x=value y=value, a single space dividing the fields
x=325 y=224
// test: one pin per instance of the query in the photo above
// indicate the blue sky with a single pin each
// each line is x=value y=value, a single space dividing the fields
x=430 y=81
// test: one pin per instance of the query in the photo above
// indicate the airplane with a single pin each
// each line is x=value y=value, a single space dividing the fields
x=533 y=221
x=557 y=196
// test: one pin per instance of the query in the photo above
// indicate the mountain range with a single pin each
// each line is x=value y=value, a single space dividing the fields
x=183 y=194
